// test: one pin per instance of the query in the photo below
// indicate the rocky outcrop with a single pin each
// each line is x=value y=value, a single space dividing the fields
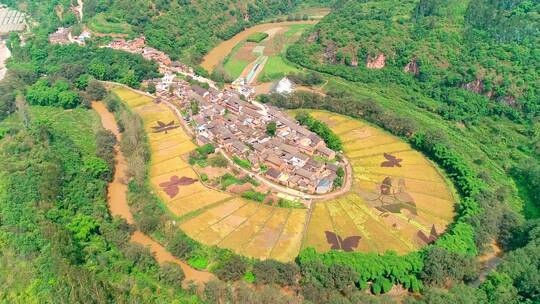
x=412 y=67
x=354 y=61
x=330 y=53
x=313 y=36
x=475 y=86
x=377 y=62
x=509 y=100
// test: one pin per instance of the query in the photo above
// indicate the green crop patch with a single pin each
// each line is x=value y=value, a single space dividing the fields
x=257 y=37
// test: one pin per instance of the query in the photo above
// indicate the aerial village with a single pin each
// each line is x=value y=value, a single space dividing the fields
x=235 y=123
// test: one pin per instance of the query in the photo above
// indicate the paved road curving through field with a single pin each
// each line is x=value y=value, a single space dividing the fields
x=118 y=206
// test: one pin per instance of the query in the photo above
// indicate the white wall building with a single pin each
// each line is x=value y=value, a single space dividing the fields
x=284 y=86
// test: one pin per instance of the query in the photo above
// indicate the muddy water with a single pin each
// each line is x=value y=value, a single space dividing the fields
x=488 y=262
x=223 y=49
x=118 y=205
x=117 y=189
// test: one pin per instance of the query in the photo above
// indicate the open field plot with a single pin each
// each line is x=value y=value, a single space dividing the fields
x=289 y=242
x=319 y=223
x=257 y=37
x=275 y=68
x=174 y=181
x=239 y=58
x=263 y=241
x=108 y=25
x=251 y=229
x=219 y=53
x=396 y=192
x=198 y=224
x=237 y=239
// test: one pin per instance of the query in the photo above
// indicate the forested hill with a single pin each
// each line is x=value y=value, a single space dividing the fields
x=477 y=57
x=191 y=27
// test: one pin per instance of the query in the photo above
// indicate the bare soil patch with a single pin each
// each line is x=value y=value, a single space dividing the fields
x=246 y=52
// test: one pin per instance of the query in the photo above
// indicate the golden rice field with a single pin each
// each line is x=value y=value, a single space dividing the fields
x=166 y=151
x=225 y=220
x=396 y=193
x=390 y=202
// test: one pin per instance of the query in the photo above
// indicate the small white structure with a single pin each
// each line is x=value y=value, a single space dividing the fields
x=81 y=39
x=245 y=90
x=284 y=86
x=165 y=82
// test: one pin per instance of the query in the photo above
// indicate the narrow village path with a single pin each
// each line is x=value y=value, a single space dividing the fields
x=297 y=193
x=79 y=8
x=118 y=205
x=4 y=55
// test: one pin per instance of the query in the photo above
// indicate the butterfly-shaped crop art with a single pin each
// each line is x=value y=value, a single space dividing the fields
x=172 y=187
x=348 y=244
x=428 y=239
x=163 y=127
x=391 y=161
x=393 y=198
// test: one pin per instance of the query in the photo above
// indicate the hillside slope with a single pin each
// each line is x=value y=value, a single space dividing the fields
x=478 y=58
x=187 y=29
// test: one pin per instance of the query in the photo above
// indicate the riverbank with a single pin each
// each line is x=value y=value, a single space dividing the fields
x=118 y=205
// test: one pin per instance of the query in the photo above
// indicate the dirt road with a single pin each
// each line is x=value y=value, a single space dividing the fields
x=118 y=204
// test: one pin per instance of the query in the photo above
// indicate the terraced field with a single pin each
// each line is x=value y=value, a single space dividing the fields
x=396 y=194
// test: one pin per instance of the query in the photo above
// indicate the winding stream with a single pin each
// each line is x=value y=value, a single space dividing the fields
x=118 y=205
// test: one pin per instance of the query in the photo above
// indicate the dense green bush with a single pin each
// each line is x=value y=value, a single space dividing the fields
x=55 y=218
x=274 y=272
x=457 y=52
x=171 y=273
x=330 y=138
x=231 y=267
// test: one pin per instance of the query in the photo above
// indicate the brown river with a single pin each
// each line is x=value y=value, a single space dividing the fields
x=118 y=205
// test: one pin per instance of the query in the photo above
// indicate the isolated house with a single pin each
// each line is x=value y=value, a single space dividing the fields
x=284 y=86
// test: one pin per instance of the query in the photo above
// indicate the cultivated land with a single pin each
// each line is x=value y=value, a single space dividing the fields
x=213 y=217
x=219 y=53
x=389 y=206
x=390 y=203
x=259 y=64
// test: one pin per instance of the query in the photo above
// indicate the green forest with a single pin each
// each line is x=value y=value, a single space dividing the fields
x=476 y=58
x=186 y=29
x=459 y=83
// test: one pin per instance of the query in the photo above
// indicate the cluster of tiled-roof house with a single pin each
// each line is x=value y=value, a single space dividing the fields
x=294 y=157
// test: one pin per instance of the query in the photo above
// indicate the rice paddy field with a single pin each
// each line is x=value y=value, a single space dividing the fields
x=397 y=194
